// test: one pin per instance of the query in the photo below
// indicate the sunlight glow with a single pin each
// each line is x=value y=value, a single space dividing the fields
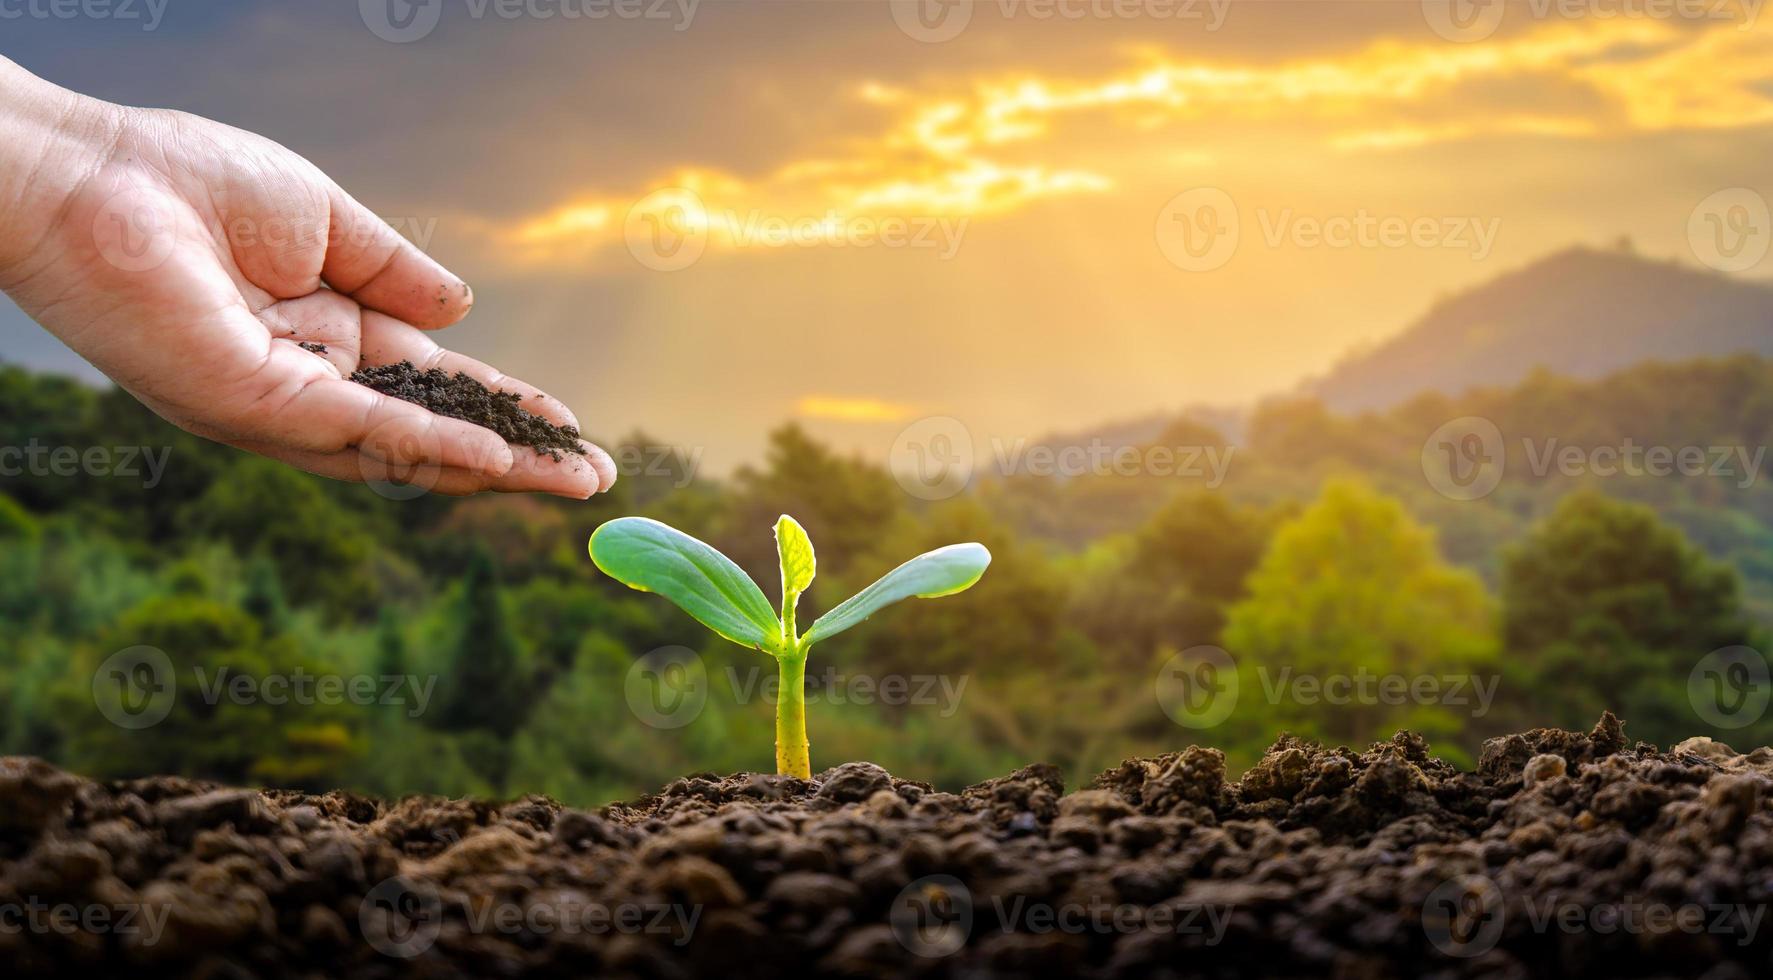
x=992 y=146
x=852 y=409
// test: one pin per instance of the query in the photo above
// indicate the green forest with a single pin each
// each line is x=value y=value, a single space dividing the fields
x=468 y=646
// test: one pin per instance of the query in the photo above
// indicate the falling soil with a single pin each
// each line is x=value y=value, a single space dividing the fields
x=459 y=396
x=1564 y=855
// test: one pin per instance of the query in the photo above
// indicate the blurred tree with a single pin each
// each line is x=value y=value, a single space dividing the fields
x=1354 y=588
x=1127 y=615
x=30 y=667
x=517 y=533
x=554 y=617
x=1011 y=622
x=70 y=581
x=485 y=683
x=653 y=470
x=1608 y=607
x=223 y=720
x=844 y=504
x=16 y=523
x=264 y=599
x=391 y=657
x=1097 y=579
x=1203 y=541
x=320 y=547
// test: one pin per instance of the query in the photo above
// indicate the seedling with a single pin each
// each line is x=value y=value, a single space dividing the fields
x=653 y=557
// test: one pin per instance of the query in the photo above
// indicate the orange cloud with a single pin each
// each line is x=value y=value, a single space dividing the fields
x=984 y=147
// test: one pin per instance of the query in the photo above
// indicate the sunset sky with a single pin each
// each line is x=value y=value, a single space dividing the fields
x=717 y=216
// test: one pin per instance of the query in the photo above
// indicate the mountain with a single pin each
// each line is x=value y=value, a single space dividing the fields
x=1581 y=313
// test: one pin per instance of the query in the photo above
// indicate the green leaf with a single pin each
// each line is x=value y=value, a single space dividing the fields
x=944 y=571
x=796 y=551
x=649 y=556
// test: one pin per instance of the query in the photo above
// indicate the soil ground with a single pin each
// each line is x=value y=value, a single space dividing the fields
x=459 y=396
x=1563 y=855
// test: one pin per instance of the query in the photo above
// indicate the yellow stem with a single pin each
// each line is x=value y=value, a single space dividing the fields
x=793 y=754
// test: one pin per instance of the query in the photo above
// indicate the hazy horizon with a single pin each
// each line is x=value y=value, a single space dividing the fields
x=1011 y=218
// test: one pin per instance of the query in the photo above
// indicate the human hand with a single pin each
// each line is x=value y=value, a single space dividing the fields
x=187 y=260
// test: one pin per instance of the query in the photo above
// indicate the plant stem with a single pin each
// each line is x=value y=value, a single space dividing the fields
x=790 y=637
x=793 y=754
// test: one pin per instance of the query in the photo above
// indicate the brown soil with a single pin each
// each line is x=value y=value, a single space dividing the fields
x=460 y=397
x=1564 y=855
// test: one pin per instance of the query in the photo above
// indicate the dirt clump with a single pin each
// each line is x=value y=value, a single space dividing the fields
x=1565 y=854
x=459 y=396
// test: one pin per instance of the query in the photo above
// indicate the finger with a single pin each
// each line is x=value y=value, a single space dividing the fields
x=370 y=262
x=386 y=340
x=329 y=323
x=572 y=475
x=331 y=414
x=354 y=466
x=602 y=463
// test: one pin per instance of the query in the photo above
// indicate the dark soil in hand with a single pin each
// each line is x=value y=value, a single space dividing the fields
x=460 y=397
x=1564 y=855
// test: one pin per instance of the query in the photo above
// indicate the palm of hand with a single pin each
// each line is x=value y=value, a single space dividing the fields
x=192 y=259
